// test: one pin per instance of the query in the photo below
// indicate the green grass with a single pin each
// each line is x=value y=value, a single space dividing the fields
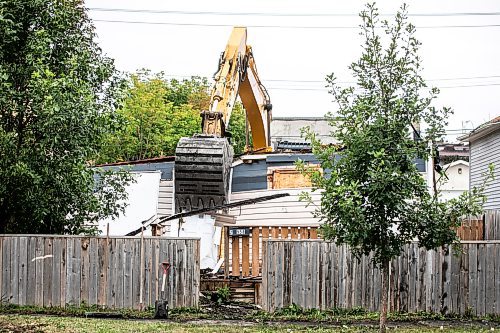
x=52 y=324
x=14 y=318
x=336 y=315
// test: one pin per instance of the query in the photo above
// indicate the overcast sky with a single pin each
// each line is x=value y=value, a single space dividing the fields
x=297 y=43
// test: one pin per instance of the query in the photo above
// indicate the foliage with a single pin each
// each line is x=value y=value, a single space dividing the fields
x=374 y=198
x=237 y=125
x=294 y=312
x=222 y=295
x=83 y=310
x=156 y=112
x=57 y=98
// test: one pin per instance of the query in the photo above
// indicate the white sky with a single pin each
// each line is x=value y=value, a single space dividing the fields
x=301 y=55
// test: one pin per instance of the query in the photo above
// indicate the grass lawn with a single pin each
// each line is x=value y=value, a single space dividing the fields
x=42 y=324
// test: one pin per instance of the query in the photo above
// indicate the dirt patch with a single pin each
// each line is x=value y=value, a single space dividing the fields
x=9 y=327
x=229 y=311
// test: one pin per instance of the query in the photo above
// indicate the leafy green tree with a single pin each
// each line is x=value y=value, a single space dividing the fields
x=57 y=98
x=193 y=92
x=157 y=112
x=374 y=198
x=237 y=129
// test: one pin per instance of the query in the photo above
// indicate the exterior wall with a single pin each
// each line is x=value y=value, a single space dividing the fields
x=285 y=211
x=250 y=179
x=166 y=190
x=484 y=151
x=142 y=205
x=165 y=200
x=251 y=175
x=457 y=182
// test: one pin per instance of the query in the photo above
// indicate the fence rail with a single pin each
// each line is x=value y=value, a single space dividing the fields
x=318 y=274
x=115 y=272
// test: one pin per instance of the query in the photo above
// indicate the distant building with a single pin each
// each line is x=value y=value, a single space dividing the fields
x=286 y=132
x=457 y=179
x=484 y=145
x=450 y=152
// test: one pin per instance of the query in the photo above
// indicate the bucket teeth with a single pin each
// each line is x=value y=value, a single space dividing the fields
x=202 y=166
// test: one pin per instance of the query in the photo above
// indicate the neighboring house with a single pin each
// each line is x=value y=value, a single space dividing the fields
x=484 y=145
x=457 y=179
x=252 y=176
x=450 y=152
x=287 y=130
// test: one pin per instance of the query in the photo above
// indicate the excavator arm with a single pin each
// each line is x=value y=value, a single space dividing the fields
x=258 y=106
x=237 y=75
x=203 y=162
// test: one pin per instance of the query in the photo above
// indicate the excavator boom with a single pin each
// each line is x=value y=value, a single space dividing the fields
x=203 y=162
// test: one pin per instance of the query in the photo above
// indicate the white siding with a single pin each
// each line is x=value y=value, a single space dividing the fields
x=285 y=211
x=165 y=200
x=484 y=151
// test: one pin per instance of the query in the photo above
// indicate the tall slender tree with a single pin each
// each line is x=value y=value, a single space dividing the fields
x=374 y=198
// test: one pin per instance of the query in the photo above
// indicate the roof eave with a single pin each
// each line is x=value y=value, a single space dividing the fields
x=480 y=132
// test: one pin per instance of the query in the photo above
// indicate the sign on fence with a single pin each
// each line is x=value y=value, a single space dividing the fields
x=235 y=232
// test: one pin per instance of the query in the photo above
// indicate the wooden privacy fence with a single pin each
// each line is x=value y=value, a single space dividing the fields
x=114 y=272
x=244 y=253
x=318 y=274
x=471 y=229
x=492 y=225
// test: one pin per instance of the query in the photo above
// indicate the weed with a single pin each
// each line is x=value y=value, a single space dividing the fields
x=222 y=295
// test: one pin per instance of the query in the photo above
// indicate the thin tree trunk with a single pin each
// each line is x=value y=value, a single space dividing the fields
x=385 y=292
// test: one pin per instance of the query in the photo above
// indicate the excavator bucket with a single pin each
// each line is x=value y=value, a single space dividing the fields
x=202 y=167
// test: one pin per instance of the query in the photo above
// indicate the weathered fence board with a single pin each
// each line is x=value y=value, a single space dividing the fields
x=318 y=274
x=492 y=225
x=471 y=229
x=60 y=270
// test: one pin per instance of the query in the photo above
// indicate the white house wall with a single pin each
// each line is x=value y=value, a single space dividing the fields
x=484 y=151
x=457 y=182
x=142 y=205
x=165 y=200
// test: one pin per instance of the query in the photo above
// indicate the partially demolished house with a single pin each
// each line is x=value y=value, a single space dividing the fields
x=252 y=176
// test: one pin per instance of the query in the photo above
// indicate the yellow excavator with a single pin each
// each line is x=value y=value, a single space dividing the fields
x=203 y=162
